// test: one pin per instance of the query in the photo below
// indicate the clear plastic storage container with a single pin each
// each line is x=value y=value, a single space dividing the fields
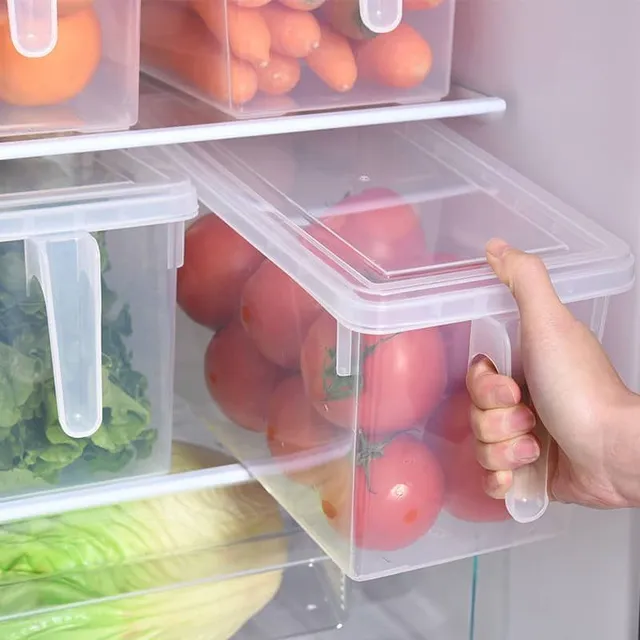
x=192 y=564
x=253 y=58
x=89 y=248
x=345 y=321
x=68 y=65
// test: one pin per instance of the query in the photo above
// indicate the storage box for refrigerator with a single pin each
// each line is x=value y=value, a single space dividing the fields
x=266 y=57
x=194 y=564
x=89 y=248
x=68 y=65
x=345 y=356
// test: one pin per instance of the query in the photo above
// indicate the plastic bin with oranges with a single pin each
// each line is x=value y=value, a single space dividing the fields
x=68 y=65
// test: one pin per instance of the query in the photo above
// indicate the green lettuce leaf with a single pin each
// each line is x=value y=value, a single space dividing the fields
x=18 y=373
x=121 y=572
x=30 y=434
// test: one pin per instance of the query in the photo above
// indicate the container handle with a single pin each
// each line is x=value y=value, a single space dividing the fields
x=381 y=16
x=68 y=270
x=33 y=25
x=528 y=499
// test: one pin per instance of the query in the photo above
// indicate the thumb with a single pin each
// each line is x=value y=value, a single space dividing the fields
x=529 y=283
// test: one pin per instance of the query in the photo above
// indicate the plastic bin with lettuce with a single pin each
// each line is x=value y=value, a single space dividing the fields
x=110 y=573
x=33 y=447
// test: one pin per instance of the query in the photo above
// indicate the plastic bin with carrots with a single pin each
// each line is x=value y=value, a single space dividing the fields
x=253 y=58
x=70 y=65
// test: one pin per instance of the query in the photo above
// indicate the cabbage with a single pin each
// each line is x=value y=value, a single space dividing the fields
x=88 y=575
x=212 y=611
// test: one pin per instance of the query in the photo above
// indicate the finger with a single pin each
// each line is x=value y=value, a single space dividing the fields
x=498 y=425
x=498 y=483
x=512 y=454
x=527 y=278
x=488 y=389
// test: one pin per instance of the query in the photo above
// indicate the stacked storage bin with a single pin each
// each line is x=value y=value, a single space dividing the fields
x=254 y=58
x=68 y=65
x=345 y=325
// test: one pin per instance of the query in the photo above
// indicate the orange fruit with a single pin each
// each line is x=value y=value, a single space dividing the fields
x=58 y=76
x=65 y=7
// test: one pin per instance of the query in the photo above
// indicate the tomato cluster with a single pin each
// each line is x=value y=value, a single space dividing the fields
x=271 y=368
x=465 y=498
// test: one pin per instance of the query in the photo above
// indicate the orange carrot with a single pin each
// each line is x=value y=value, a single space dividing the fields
x=293 y=33
x=243 y=28
x=303 y=5
x=344 y=17
x=401 y=58
x=280 y=76
x=162 y=22
x=333 y=61
x=174 y=39
x=416 y=5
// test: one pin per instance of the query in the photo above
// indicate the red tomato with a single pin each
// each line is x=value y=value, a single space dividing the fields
x=277 y=313
x=401 y=380
x=456 y=342
x=451 y=419
x=456 y=339
x=239 y=378
x=295 y=427
x=217 y=263
x=465 y=496
x=398 y=494
x=373 y=229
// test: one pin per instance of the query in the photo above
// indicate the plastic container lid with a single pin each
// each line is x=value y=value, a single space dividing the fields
x=78 y=195
x=463 y=197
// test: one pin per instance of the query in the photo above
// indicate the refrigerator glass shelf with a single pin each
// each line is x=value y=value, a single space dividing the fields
x=187 y=428
x=168 y=116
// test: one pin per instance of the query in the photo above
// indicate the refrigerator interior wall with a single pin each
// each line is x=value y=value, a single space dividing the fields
x=569 y=72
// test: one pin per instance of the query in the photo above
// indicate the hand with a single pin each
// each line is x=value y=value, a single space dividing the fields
x=592 y=416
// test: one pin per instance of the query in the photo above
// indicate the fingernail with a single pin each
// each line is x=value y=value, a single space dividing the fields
x=504 y=395
x=523 y=420
x=497 y=483
x=526 y=450
x=478 y=358
x=491 y=483
x=496 y=248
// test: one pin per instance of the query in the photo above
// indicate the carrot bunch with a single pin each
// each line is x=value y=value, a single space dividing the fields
x=235 y=49
x=401 y=59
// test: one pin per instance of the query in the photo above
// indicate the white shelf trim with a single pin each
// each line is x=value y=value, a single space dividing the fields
x=463 y=103
x=55 y=502
x=141 y=488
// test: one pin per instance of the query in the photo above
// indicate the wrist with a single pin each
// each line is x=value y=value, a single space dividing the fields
x=623 y=451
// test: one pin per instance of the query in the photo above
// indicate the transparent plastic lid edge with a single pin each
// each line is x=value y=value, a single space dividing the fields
x=65 y=213
x=33 y=25
x=373 y=311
